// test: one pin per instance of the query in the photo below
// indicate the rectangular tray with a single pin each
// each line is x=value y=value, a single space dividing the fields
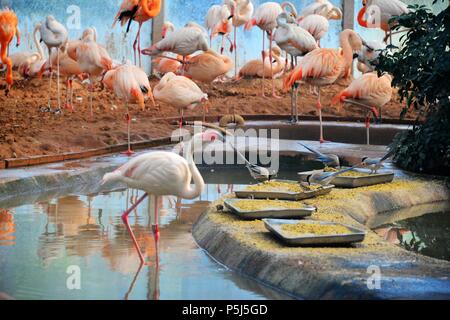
x=280 y=195
x=274 y=226
x=268 y=212
x=355 y=182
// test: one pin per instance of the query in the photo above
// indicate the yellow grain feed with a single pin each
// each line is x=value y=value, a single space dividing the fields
x=281 y=186
x=313 y=228
x=348 y=173
x=256 y=205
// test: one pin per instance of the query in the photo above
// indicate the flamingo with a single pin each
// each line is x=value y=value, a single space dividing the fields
x=68 y=68
x=93 y=59
x=265 y=18
x=130 y=84
x=296 y=41
x=242 y=12
x=184 y=41
x=378 y=14
x=162 y=173
x=30 y=64
x=369 y=92
x=9 y=28
x=316 y=24
x=167 y=26
x=72 y=46
x=139 y=11
x=322 y=67
x=208 y=66
x=368 y=55
x=180 y=92
x=255 y=68
x=218 y=21
x=324 y=8
x=54 y=35
x=166 y=64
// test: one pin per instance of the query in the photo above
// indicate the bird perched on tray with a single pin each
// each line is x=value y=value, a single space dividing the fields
x=374 y=164
x=329 y=160
x=325 y=178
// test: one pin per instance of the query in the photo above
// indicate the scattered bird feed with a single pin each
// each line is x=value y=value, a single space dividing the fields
x=314 y=229
x=251 y=205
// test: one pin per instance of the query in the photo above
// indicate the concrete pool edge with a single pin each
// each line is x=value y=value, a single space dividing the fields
x=320 y=274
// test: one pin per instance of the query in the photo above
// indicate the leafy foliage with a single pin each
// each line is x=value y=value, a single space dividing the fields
x=421 y=70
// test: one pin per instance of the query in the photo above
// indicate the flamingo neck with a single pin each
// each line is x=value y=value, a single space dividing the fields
x=193 y=192
x=347 y=50
x=361 y=21
x=37 y=42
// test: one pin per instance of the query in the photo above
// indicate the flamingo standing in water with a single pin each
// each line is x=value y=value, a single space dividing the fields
x=162 y=173
x=369 y=92
x=130 y=84
x=378 y=13
x=54 y=35
x=93 y=59
x=184 y=41
x=208 y=66
x=9 y=28
x=218 y=21
x=180 y=92
x=296 y=41
x=242 y=12
x=139 y=11
x=322 y=67
x=265 y=18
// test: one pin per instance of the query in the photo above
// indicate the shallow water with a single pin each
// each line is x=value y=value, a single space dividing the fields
x=428 y=234
x=43 y=243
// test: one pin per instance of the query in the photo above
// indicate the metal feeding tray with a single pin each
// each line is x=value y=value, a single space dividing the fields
x=355 y=182
x=275 y=227
x=284 y=195
x=269 y=212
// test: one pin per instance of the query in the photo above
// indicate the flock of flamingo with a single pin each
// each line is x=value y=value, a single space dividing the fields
x=185 y=57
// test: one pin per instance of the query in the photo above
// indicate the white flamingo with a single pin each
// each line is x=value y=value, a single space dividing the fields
x=54 y=35
x=265 y=18
x=184 y=41
x=162 y=173
x=296 y=41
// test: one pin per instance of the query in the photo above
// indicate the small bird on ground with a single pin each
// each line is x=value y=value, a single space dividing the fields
x=330 y=160
x=325 y=178
x=374 y=164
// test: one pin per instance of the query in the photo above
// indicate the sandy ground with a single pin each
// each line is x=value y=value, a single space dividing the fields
x=26 y=130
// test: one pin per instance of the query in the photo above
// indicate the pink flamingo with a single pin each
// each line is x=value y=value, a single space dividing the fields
x=162 y=173
x=130 y=84
x=208 y=66
x=322 y=67
x=218 y=21
x=180 y=92
x=369 y=92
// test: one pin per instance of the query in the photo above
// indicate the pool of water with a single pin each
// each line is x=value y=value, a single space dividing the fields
x=76 y=247
x=427 y=234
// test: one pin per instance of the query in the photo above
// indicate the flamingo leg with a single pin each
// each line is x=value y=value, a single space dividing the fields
x=271 y=66
x=50 y=81
x=57 y=81
x=263 y=54
x=155 y=226
x=129 y=152
x=368 y=129
x=235 y=53
x=130 y=231
x=71 y=95
x=139 y=44
x=319 y=107
x=91 y=90
x=181 y=118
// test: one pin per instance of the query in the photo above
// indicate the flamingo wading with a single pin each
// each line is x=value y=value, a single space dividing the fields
x=162 y=173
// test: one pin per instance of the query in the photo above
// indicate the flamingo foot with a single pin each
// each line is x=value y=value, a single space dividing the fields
x=128 y=153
